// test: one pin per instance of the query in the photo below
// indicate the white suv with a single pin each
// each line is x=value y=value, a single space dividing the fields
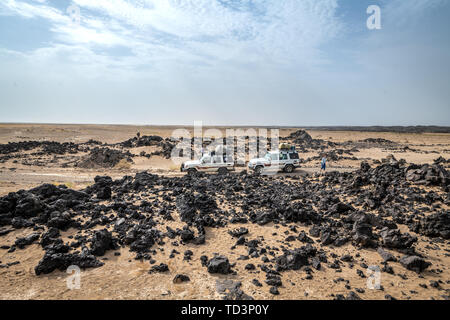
x=286 y=161
x=209 y=163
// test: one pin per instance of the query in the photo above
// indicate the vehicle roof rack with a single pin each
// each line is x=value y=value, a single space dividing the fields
x=291 y=149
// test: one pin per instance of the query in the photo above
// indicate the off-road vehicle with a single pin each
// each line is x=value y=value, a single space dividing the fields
x=209 y=163
x=286 y=160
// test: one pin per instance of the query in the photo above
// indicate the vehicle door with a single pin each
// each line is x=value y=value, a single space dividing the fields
x=217 y=162
x=294 y=158
x=274 y=161
x=284 y=159
x=205 y=164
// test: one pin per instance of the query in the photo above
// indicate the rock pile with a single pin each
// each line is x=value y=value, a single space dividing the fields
x=300 y=137
x=166 y=145
x=103 y=158
x=144 y=141
x=48 y=147
x=430 y=175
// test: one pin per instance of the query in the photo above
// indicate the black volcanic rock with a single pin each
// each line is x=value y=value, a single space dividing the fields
x=434 y=225
x=393 y=238
x=362 y=234
x=61 y=261
x=378 y=200
x=25 y=241
x=300 y=137
x=190 y=206
x=103 y=158
x=162 y=267
x=29 y=206
x=387 y=256
x=180 y=278
x=414 y=263
x=102 y=242
x=295 y=259
x=219 y=264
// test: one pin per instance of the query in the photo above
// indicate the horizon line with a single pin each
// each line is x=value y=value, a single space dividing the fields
x=229 y=125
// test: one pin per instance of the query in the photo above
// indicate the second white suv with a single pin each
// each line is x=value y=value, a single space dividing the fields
x=283 y=160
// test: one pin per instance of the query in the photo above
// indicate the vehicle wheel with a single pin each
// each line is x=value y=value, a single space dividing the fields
x=259 y=169
x=289 y=168
x=192 y=171
x=223 y=171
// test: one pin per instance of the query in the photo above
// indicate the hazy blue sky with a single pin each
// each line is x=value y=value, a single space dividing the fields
x=254 y=62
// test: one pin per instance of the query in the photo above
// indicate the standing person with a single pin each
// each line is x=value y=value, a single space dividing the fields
x=323 y=164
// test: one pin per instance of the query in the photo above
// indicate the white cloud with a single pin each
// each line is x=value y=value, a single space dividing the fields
x=275 y=32
x=29 y=10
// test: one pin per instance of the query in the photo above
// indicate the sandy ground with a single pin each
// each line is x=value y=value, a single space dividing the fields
x=122 y=277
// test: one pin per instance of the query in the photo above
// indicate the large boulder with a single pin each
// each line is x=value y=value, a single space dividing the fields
x=434 y=175
x=191 y=206
x=434 y=225
x=362 y=234
x=141 y=238
x=61 y=221
x=295 y=259
x=102 y=187
x=29 y=206
x=219 y=264
x=393 y=238
x=102 y=242
x=414 y=263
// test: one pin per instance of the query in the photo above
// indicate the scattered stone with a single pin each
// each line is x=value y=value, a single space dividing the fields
x=162 y=267
x=257 y=283
x=387 y=256
x=274 y=291
x=179 y=278
x=219 y=264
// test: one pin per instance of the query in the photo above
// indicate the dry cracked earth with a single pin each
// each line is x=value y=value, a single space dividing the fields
x=112 y=204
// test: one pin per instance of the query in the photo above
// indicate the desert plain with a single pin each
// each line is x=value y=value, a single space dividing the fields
x=145 y=230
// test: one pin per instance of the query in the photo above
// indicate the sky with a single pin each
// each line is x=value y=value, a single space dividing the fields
x=225 y=62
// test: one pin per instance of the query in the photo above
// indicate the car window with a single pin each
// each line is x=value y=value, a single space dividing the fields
x=283 y=156
x=294 y=156
x=206 y=159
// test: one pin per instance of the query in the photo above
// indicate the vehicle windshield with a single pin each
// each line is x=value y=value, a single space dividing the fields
x=267 y=156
